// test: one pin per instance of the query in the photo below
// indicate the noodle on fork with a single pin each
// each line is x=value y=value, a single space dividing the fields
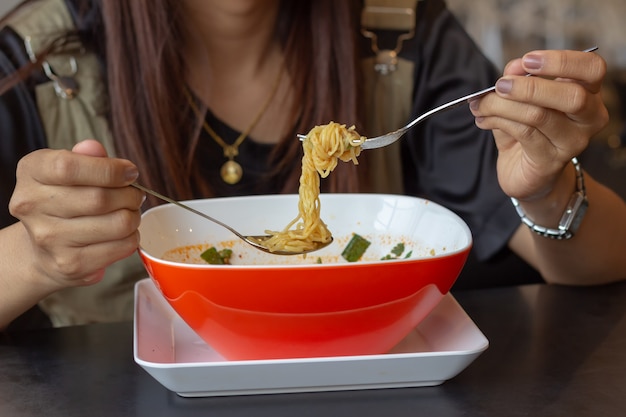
x=323 y=146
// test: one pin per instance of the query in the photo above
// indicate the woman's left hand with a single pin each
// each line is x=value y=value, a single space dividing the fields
x=541 y=122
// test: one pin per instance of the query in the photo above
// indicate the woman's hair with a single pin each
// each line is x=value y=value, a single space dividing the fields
x=150 y=119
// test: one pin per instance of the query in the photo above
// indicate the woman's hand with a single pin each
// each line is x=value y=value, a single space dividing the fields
x=540 y=123
x=78 y=211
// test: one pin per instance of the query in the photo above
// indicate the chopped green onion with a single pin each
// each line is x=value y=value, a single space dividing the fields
x=215 y=257
x=396 y=252
x=398 y=249
x=356 y=248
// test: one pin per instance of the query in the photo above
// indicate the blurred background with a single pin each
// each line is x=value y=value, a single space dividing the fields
x=505 y=29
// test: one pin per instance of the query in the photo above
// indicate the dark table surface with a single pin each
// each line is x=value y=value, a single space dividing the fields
x=554 y=351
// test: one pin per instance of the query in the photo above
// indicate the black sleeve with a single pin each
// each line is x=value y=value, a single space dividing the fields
x=20 y=126
x=448 y=159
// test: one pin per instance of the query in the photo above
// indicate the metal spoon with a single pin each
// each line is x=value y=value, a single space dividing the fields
x=251 y=240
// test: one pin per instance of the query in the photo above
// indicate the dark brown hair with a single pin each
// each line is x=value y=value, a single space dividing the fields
x=149 y=116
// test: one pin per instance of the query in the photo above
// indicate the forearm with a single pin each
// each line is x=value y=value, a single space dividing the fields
x=21 y=286
x=595 y=255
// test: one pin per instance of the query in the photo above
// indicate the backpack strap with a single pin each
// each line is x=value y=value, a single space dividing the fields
x=388 y=83
x=73 y=102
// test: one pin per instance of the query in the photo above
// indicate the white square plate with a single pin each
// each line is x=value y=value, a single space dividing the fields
x=444 y=344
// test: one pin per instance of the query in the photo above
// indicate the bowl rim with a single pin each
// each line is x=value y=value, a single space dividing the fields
x=442 y=255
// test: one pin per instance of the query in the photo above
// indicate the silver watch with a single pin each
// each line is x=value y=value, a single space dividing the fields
x=572 y=216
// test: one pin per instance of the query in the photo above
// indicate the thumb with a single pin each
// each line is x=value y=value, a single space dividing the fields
x=90 y=147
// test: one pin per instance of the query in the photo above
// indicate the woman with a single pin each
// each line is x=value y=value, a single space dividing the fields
x=258 y=72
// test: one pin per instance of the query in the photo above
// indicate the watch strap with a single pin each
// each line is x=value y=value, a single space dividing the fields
x=572 y=216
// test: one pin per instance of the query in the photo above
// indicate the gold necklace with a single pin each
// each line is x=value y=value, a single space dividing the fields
x=231 y=172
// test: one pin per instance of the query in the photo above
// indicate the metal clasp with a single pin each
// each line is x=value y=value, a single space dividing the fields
x=393 y=16
x=65 y=86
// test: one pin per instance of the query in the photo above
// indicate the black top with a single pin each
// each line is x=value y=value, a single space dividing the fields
x=446 y=159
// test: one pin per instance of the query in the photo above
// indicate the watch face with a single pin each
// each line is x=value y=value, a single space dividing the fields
x=575 y=212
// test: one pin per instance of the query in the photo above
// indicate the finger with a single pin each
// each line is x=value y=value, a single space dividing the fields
x=76 y=249
x=526 y=171
x=58 y=232
x=540 y=148
x=94 y=277
x=72 y=202
x=87 y=263
x=571 y=98
x=90 y=147
x=564 y=96
x=588 y=68
x=529 y=121
x=515 y=67
x=60 y=167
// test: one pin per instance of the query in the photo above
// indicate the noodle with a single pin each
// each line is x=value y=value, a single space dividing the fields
x=322 y=146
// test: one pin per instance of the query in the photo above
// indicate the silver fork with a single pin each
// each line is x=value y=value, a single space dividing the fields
x=391 y=137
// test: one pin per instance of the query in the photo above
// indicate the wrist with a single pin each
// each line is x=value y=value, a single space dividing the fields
x=21 y=284
x=557 y=220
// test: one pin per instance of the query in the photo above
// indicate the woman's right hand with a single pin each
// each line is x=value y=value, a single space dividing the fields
x=79 y=213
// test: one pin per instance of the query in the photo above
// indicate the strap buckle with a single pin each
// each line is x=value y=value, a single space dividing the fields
x=65 y=86
x=388 y=15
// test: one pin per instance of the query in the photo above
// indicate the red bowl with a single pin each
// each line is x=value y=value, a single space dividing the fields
x=249 y=335
x=303 y=289
x=291 y=304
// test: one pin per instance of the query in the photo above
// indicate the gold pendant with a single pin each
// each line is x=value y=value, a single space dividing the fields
x=231 y=172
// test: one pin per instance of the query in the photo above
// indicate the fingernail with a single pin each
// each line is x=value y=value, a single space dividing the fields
x=474 y=104
x=533 y=62
x=131 y=173
x=504 y=86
